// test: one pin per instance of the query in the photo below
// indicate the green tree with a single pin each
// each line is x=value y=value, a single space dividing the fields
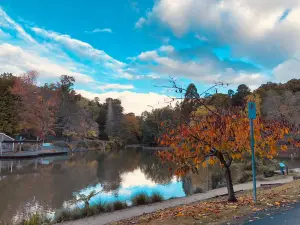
x=8 y=103
x=238 y=99
x=114 y=117
x=190 y=104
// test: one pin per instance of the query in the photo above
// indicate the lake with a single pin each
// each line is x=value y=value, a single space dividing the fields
x=47 y=184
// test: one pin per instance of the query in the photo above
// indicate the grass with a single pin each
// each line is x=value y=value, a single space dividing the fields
x=156 y=197
x=118 y=205
x=140 y=199
x=35 y=219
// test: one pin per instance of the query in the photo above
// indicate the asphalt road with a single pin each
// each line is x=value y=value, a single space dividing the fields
x=282 y=217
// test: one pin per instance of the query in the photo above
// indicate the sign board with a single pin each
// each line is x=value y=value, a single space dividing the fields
x=251 y=110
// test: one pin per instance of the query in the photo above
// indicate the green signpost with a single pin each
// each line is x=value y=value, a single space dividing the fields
x=252 y=116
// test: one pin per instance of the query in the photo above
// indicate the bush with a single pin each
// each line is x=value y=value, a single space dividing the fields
x=118 y=205
x=140 y=199
x=82 y=144
x=35 y=219
x=109 y=208
x=95 y=144
x=61 y=144
x=90 y=211
x=114 y=144
x=156 y=197
x=198 y=190
x=101 y=207
x=245 y=176
x=65 y=214
x=268 y=172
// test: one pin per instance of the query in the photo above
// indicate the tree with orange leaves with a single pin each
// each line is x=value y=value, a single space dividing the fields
x=221 y=136
x=38 y=106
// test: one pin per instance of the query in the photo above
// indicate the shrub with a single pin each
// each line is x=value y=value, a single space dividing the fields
x=109 y=208
x=95 y=144
x=140 y=199
x=90 y=211
x=198 y=190
x=268 y=172
x=82 y=144
x=35 y=219
x=64 y=215
x=115 y=143
x=156 y=197
x=101 y=207
x=118 y=205
x=61 y=144
x=245 y=176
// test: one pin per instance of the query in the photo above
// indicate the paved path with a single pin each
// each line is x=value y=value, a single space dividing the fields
x=283 y=217
x=137 y=211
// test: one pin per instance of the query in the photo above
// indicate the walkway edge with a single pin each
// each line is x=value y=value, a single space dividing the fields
x=128 y=213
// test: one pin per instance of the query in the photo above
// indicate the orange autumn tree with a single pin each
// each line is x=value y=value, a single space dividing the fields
x=37 y=105
x=221 y=136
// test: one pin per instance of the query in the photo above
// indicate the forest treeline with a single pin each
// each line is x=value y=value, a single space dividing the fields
x=55 y=110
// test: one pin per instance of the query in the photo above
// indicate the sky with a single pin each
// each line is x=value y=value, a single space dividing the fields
x=129 y=49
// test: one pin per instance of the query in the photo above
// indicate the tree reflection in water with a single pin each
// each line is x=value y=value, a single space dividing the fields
x=52 y=181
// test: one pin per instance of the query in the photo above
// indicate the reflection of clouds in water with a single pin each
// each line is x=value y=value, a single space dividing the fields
x=135 y=178
x=133 y=183
x=29 y=208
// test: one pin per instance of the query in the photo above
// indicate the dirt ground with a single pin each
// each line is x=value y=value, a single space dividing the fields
x=219 y=211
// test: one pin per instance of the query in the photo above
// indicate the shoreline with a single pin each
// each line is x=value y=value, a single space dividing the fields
x=128 y=213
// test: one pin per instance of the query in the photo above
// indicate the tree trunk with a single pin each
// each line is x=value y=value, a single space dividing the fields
x=231 y=195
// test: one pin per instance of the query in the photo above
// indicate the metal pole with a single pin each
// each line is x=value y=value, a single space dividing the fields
x=1 y=139
x=253 y=160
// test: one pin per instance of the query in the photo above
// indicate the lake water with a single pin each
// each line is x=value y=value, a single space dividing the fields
x=47 y=184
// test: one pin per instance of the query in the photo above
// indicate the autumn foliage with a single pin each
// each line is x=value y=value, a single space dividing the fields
x=222 y=136
x=37 y=106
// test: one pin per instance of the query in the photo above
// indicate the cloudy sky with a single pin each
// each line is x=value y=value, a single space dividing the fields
x=128 y=49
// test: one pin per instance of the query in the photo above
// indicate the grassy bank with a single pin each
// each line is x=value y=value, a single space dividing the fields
x=219 y=211
x=79 y=213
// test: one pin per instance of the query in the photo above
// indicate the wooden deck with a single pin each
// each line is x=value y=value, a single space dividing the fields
x=32 y=154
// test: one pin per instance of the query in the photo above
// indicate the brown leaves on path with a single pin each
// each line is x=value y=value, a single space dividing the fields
x=218 y=210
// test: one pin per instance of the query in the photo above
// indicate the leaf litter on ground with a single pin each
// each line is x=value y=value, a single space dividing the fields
x=219 y=210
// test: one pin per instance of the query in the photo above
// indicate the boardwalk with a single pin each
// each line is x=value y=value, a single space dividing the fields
x=32 y=154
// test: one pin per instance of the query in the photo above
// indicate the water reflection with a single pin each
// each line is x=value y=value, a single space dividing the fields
x=52 y=182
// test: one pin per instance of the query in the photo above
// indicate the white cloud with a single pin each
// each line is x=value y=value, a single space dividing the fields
x=77 y=46
x=166 y=48
x=132 y=101
x=16 y=60
x=287 y=70
x=135 y=178
x=110 y=66
x=200 y=37
x=252 y=80
x=7 y=22
x=116 y=87
x=140 y=23
x=98 y=30
x=250 y=27
x=148 y=55
x=4 y=35
x=207 y=70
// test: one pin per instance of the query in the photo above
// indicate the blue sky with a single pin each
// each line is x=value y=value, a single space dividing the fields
x=126 y=48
